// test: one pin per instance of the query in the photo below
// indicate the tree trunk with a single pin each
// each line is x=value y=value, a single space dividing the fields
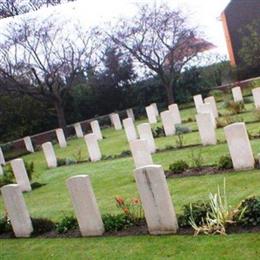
x=169 y=92
x=60 y=115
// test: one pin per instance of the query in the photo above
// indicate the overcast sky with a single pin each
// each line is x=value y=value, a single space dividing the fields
x=204 y=13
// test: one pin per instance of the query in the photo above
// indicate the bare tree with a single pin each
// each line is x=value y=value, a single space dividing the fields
x=9 y=8
x=41 y=60
x=161 y=40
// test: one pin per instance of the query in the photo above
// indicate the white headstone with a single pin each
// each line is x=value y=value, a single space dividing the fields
x=1 y=170
x=237 y=94
x=140 y=152
x=198 y=101
x=21 y=175
x=256 y=96
x=206 y=129
x=174 y=109
x=49 y=155
x=130 y=113
x=17 y=210
x=211 y=100
x=151 y=114
x=239 y=146
x=167 y=121
x=207 y=108
x=61 y=138
x=2 y=158
x=78 y=130
x=156 y=200
x=28 y=144
x=129 y=129
x=96 y=129
x=154 y=105
x=115 y=120
x=85 y=206
x=93 y=147
x=145 y=132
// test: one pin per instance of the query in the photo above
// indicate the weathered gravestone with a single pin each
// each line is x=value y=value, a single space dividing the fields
x=28 y=144
x=115 y=120
x=96 y=129
x=21 y=175
x=174 y=109
x=129 y=129
x=239 y=146
x=49 y=155
x=151 y=114
x=93 y=147
x=167 y=122
x=140 y=152
x=78 y=130
x=256 y=96
x=206 y=129
x=156 y=200
x=85 y=206
x=2 y=158
x=61 y=138
x=17 y=210
x=145 y=132
x=130 y=113
x=198 y=101
x=237 y=94
x=211 y=100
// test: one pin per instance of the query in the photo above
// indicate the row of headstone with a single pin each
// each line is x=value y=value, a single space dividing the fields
x=151 y=184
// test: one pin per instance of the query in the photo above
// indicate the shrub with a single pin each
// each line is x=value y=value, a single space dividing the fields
x=197 y=159
x=131 y=208
x=197 y=209
x=65 y=161
x=235 y=107
x=7 y=177
x=219 y=216
x=249 y=212
x=29 y=166
x=218 y=94
x=178 y=167
x=116 y=222
x=158 y=132
x=67 y=223
x=182 y=129
x=225 y=162
x=5 y=225
x=42 y=225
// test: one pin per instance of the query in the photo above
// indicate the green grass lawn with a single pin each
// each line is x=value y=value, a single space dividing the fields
x=115 y=177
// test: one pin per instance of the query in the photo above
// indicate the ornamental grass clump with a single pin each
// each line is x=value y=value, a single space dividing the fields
x=218 y=217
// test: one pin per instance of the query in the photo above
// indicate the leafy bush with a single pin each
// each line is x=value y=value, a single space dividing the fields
x=65 y=161
x=218 y=94
x=67 y=223
x=29 y=166
x=198 y=210
x=5 y=225
x=197 y=159
x=249 y=212
x=131 y=208
x=234 y=107
x=158 y=132
x=42 y=225
x=225 y=162
x=180 y=129
x=178 y=167
x=7 y=177
x=116 y=222
x=219 y=216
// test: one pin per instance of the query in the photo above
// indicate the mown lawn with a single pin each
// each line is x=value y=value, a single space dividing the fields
x=115 y=177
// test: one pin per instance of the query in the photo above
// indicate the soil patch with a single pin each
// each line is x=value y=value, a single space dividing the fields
x=204 y=170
